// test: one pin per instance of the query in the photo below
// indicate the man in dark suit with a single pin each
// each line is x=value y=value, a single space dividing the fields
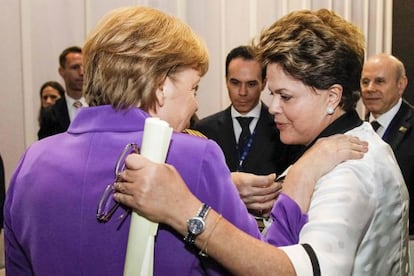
x=383 y=83
x=263 y=153
x=56 y=119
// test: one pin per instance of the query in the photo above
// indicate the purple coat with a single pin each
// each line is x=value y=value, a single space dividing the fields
x=50 y=210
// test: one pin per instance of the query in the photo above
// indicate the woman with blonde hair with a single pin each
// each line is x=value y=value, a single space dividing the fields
x=139 y=63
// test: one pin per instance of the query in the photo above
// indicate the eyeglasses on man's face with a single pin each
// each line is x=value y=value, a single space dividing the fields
x=107 y=205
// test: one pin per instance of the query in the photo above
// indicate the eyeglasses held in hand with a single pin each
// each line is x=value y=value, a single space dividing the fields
x=107 y=205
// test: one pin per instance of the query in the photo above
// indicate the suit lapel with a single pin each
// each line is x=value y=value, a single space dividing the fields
x=261 y=134
x=228 y=140
x=62 y=113
x=399 y=126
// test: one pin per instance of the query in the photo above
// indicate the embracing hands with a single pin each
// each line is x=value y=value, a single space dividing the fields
x=258 y=192
x=155 y=191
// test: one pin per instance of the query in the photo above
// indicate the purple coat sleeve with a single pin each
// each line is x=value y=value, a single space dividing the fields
x=16 y=260
x=288 y=221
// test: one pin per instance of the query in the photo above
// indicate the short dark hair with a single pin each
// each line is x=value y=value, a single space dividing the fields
x=55 y=85
x=319 y=48
x=244 y=52
x=72 y=49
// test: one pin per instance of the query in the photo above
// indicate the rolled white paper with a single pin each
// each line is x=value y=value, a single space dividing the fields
x=139 y=258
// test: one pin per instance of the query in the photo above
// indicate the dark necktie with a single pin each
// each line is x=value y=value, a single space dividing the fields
x=245 y=133
x=375 y=125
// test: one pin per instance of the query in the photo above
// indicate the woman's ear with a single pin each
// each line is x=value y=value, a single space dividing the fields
x=159 y=94
x=335 y=95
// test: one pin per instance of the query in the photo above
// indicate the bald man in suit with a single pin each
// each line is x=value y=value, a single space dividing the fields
x=383 y=83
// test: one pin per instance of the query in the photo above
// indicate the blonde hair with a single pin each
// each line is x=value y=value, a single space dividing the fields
x=131 y=52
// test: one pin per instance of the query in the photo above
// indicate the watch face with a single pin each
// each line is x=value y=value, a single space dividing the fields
x=195 y=225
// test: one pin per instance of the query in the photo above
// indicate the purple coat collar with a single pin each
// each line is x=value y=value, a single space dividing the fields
x=106 y=118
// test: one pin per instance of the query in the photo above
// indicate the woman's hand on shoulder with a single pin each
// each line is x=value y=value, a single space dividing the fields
x=321 y=158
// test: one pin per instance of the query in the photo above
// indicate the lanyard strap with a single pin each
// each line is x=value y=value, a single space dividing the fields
x=245 y=152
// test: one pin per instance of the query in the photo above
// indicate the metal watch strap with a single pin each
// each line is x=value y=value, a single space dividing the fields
x=202 y=213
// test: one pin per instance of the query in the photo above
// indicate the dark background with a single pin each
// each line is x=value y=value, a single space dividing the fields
x=403 y=40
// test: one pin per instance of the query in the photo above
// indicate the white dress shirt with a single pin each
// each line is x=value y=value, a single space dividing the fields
x=71 y=109
x=255 y=113
x=385 y=119
x=358 y=216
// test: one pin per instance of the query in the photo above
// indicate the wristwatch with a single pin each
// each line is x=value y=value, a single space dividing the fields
x=196 y=224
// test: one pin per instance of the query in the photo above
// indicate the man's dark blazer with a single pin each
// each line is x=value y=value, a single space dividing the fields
x=400 y=136
x=267 y=155
x=54 y=119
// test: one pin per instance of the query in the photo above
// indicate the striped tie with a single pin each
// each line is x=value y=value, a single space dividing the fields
x=77 y=104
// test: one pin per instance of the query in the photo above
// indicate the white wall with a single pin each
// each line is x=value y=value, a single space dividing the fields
x=34 y=32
